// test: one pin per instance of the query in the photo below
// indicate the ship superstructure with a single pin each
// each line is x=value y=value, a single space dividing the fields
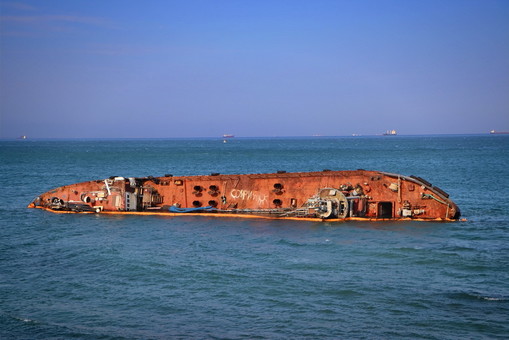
x=324 y=195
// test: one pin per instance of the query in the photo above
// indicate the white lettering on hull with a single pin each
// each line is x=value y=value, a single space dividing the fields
x=248 y=195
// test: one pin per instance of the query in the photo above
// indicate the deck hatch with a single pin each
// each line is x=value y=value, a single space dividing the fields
x=385 y=210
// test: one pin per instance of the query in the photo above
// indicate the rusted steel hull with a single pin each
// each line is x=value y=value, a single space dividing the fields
x=325 y=195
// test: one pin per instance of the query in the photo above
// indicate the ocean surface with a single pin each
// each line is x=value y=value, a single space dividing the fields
x=136 y=277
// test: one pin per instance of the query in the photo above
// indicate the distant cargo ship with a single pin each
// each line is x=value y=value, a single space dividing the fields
x=324 y=195
x=228 y=136
x=493 y=132
x=390 y=133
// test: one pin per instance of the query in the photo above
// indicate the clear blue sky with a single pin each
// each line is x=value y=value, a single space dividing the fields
x=191 y=68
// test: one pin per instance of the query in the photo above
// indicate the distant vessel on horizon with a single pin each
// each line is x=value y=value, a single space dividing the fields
x=493 y=132
x=22 y=137
x=226 y=135
x=390 y=133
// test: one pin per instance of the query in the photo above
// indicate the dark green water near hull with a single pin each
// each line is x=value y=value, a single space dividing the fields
x=137 y=277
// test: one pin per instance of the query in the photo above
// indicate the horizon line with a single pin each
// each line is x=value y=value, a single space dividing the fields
x=251 y=137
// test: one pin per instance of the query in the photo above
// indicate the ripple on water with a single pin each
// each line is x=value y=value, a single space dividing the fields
x=102 y=277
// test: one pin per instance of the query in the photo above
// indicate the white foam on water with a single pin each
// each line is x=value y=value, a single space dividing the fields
x=489 y=298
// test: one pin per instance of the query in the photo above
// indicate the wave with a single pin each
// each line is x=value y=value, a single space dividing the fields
x=472 y=295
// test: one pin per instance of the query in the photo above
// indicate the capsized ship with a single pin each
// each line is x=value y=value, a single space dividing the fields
x=324 y=195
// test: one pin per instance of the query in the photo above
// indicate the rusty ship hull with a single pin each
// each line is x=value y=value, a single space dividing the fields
x=318 y=196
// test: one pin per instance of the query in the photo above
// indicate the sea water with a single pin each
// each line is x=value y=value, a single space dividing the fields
x=147 y=277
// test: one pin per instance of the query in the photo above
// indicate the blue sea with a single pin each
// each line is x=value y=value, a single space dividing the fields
x=145 y=277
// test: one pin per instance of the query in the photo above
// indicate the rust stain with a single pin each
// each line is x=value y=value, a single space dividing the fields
x=312 y=196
